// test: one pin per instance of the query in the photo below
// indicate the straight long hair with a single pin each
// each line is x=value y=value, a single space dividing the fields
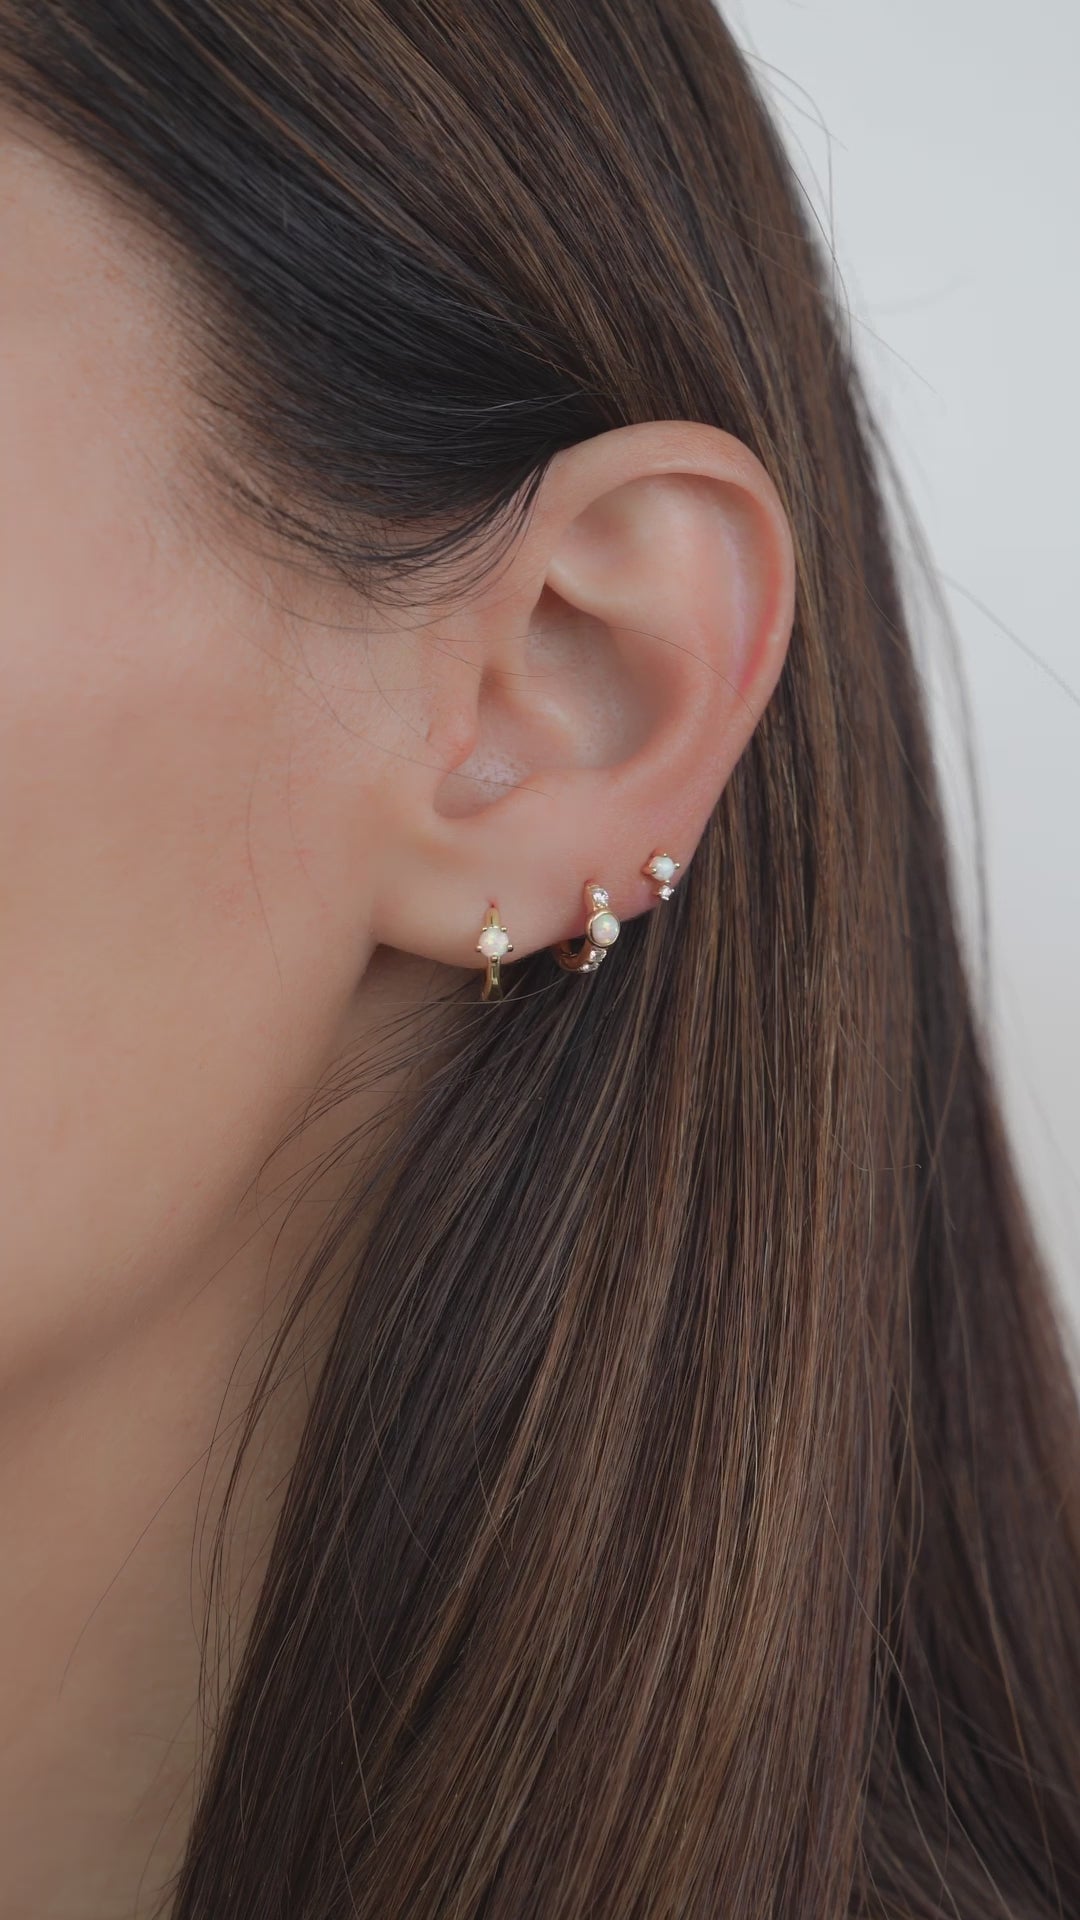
x=685 y=1522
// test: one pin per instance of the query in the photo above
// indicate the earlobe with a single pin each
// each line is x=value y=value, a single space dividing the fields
x=620 y=663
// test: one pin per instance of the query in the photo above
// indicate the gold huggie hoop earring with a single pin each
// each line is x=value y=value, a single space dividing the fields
x=601 y=932
x=494 y=941
x=662 y=868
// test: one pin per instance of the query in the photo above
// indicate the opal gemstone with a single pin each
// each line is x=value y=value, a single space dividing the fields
x=603 y=929
x=494 y=942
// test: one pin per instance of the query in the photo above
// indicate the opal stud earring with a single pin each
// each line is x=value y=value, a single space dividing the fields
x=494 y=941
x=662 y=868
x=601 y=932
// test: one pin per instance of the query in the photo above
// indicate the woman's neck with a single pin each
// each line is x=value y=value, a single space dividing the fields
x=114 y=1459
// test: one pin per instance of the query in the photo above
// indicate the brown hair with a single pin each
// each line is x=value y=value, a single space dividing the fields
x=685 y=1523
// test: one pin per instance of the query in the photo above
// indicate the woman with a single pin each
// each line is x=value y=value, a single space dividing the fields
x=529 y=1388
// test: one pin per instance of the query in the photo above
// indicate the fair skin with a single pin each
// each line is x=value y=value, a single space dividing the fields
x=244 y=821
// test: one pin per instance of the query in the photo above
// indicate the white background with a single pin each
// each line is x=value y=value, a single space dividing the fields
x=938 y=142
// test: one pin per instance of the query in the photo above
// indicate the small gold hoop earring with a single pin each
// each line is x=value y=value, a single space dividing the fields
x=662 y=868
x=494 y=941
x=601 y=932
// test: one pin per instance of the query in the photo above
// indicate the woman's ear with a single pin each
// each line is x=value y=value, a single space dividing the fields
x=588 y=706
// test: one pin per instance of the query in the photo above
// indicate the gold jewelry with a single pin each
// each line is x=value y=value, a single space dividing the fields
x=662 y=868
x=601 y=932
x=494 y=941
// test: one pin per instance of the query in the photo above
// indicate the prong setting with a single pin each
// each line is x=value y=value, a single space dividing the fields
x=493 y=943
x=662 y=867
